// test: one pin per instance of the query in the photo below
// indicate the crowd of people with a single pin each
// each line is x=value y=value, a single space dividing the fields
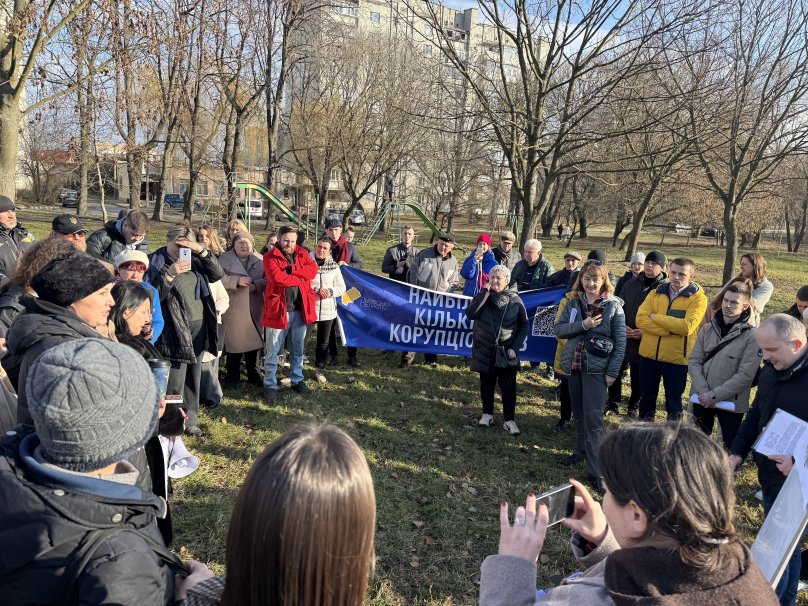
x=97 y=330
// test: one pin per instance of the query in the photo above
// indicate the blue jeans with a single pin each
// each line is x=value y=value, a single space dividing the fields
x=296 y=328
x=786 y=589
x=674 y=378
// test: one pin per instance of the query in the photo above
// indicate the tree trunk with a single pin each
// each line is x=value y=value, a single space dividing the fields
x=731 y=251
x=9 y=141
x=134 y=170
x=788 y=232
x=756 y=239
x=582 y=221
x=160 y=196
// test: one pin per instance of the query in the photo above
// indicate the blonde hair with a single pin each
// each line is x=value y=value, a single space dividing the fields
x=216 y=245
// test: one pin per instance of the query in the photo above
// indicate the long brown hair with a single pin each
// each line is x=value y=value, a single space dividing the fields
x=303 y=526
x=35 y=258
x=689 y=496
x=216 y=245
x=758 y=267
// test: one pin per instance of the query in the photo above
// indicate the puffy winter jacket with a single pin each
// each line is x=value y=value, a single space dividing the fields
x=280 y=276
x=10 y=307
x=495 y=315
x=46 y=514
x=41 y=326
x=634 y=292
x=434 y=272
x=730 y=372
x=12 y=242
x=570 y=326
x=670 y=335
x=108 y=242
x=329 y=276
x=476 y=273
x=784 y=389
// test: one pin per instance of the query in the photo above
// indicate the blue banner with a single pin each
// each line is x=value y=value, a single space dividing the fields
x=380 y=313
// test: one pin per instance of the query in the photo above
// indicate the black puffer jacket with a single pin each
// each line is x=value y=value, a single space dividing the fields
x=784 y=389
x=10 y=307
x=46 y=513
x=41 y=326
x=12 y=242
x=107 y=243
x=489 y=310
x=633 y=294
x=176 y=341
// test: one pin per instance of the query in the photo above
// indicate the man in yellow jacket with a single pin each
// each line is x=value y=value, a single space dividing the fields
x=669 y=319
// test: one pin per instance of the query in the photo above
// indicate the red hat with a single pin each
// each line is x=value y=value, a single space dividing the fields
x=484 y=238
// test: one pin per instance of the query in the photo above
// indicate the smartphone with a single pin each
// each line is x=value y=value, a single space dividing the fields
x=560 y=502
x=479 y=249
x=597 y=311
x=185 y=254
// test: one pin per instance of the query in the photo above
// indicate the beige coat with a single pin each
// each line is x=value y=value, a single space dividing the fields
x=728 y=374
x=242 y=321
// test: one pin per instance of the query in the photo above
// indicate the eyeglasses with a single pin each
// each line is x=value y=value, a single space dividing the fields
x=594 y=262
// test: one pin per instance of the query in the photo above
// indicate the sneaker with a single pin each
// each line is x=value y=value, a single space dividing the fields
x=550 y=374
x=486 y=420
x=802 y=587
x=433 y=364
x=354 y=363
x=759 y=495
x=611 y=410
x=318 y=374
x=305 y=359
x=571 y=460
x=301 y=388
x=283 y=362
x=511 y=428
x=270 y=396
x=632 y=413
x=285 y=382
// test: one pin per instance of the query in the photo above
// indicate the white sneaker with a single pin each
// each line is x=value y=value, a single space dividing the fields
x=486 y=420
x=320 y=376
x=759 y=495
x=511 y=428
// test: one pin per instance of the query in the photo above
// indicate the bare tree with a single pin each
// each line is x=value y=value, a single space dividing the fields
x=750 y=63
x=29 y=28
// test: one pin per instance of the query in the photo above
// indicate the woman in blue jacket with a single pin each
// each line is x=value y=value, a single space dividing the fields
x=477 y=266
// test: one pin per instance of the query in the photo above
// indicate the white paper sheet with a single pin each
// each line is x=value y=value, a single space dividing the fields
x=781 y=435
x=722 y=405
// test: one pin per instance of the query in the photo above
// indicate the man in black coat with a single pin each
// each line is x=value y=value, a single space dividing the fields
x=800 y=304
x=782 y=383
x=128 y=232
x=78 y=527
x=633 y=293
x=399 y=258
x=14 y=239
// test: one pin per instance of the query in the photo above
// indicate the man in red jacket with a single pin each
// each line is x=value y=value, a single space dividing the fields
x=288 y=309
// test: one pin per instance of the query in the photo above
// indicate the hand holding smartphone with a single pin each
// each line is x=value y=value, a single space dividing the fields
x=560 y=502
x=597 y=311
x=185 y=255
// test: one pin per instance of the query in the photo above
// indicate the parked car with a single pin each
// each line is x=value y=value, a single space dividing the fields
x=177 y=201
x=256 y=210
x=68 y=198
x=709 y=231
x=357 y=217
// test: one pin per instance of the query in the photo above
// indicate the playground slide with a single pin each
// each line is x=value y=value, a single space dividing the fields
x=426 y=220
x=273 y=199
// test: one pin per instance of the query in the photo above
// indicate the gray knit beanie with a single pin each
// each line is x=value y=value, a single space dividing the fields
x=94 y=403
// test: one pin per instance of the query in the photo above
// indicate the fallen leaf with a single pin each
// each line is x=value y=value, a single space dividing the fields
x=418 y=523
x=414 y=562
x=429 y=541
x=544 y=558
x=224 y=420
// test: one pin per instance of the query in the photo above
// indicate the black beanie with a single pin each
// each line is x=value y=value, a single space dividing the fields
x=597 y=254
x=656 y=257
x=67 y=279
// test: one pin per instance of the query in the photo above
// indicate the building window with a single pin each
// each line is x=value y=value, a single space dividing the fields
x=427 y=50
x=427 y=30
x=335 y=174
x=201 y=188
x=375 y=18
x=343 y=9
